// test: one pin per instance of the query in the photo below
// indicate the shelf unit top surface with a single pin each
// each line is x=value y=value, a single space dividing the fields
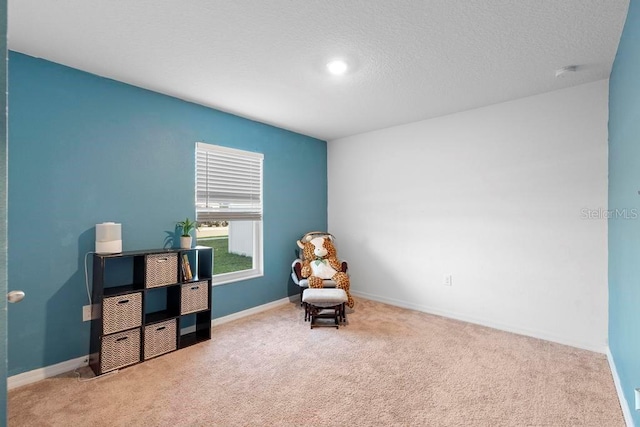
x=151 y=252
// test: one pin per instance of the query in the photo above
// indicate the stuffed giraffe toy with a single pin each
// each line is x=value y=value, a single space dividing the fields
x=321 y=262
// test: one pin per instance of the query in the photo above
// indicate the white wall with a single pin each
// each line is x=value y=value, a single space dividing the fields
x=492 y=196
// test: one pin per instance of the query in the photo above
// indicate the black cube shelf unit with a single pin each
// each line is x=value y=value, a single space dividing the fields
x=149 y=305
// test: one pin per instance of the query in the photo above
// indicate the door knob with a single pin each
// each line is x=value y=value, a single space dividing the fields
x=15 y=296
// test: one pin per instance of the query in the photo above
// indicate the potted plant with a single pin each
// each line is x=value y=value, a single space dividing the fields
x=185 y=239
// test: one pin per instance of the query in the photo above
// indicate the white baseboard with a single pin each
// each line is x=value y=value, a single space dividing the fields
x=69 y=365
x=484 y=322
x=46 y=372
x=188 y=330
x=626 y=409
x=250 y=311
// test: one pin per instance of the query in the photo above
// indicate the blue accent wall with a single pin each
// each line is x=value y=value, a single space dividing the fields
x=3 y=211
x=624 y=192
x=85 y=150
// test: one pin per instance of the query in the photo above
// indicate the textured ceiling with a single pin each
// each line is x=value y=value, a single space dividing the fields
x=265 y=60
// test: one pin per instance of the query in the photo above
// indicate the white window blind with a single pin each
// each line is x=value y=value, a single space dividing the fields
x=228 y=184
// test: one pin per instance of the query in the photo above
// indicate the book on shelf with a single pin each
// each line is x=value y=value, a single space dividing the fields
x=184 y=271
x=186 y=267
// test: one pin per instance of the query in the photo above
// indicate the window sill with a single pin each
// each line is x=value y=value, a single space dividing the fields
x=236 y=276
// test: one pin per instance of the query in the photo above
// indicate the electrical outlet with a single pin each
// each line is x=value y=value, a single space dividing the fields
x=90 y=312
x=637 y=394
x=448 y=280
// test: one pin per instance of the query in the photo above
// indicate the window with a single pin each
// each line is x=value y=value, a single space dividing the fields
x=229 y=210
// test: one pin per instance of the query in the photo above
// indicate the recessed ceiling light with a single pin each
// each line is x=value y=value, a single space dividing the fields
x=560 y=72
x=337 y=67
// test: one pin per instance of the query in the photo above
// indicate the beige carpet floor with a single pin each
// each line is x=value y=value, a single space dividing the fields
x=388 y=367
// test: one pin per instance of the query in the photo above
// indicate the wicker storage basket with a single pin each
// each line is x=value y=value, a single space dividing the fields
x=121 y=312
x=194 y=297
x=160 y=338
x=120 y=350
x=161 y=269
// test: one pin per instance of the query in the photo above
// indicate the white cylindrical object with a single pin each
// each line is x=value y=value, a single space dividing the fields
x=108 y=238
x=108 y=231
x=112 y=247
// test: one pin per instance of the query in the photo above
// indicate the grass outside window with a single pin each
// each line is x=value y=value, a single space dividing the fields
x=223 y=261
